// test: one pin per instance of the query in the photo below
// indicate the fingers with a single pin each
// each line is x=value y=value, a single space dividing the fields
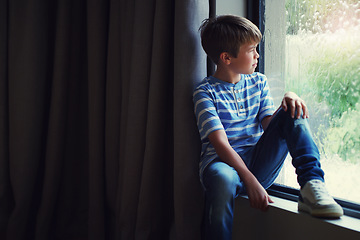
x=262 y=204
x=292 y=104
x=293 y=107
x=265 y=205
x=299 y=110
x=305 y=111
x=258 y=196
x=284 y=104
x=297 y=106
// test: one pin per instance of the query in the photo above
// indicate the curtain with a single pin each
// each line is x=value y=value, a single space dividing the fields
x=98 y=139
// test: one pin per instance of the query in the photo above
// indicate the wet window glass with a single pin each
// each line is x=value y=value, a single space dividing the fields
x=320 y=52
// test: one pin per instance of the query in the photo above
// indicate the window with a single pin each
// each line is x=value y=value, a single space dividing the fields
x=312 y=47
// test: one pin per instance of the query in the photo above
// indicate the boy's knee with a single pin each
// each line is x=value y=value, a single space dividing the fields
x=286 y=116
x=227 y=178
x=223 y=178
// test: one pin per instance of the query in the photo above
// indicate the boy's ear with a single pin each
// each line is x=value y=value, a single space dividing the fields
x=225 y=58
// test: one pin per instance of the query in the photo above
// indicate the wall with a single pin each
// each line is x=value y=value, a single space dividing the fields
x=236 y=7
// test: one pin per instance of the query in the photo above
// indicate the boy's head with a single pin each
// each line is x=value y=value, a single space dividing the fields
x=226 y=34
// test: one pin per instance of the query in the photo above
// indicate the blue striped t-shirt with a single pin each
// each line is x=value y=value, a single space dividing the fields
x=237 y=108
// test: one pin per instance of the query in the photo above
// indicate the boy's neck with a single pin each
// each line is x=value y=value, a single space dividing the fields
x=227 y=76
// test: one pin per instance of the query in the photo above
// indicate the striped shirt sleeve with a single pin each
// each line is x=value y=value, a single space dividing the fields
x=207 y=117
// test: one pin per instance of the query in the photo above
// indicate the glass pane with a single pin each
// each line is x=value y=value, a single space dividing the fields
x=322 y=65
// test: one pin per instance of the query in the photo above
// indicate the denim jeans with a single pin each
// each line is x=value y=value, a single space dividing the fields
x=222 y=183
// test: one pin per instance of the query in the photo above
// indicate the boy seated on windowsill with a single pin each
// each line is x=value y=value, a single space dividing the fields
x=244 y=141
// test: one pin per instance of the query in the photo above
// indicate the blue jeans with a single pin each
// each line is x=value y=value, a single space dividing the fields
x=222 y=183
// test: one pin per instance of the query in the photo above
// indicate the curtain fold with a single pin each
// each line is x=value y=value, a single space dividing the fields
x=98 y=139
x=5 y=190
x=190 y=68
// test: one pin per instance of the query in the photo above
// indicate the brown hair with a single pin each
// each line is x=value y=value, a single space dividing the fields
x=226 y=34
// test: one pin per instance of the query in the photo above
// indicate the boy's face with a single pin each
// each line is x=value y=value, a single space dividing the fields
x=247 y=59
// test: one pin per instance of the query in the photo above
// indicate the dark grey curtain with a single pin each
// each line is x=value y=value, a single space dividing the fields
x=98 y=138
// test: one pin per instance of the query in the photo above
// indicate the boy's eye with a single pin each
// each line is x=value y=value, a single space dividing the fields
x=252 y=49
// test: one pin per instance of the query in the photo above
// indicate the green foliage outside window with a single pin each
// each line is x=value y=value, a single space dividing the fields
x=327 y=36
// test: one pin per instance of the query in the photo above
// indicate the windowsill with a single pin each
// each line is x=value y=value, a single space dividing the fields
x=291 y=206
x=283 y=221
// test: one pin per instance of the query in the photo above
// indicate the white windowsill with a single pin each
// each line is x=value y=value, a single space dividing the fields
x=345 y=221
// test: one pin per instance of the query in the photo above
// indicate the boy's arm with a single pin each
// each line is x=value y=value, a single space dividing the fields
x=258 y=197
x=290 y=101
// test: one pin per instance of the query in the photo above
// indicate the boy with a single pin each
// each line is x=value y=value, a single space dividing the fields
x=244 y=142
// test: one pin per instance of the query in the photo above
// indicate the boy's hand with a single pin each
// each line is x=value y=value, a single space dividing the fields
x=294 y=102
x=258 y=196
